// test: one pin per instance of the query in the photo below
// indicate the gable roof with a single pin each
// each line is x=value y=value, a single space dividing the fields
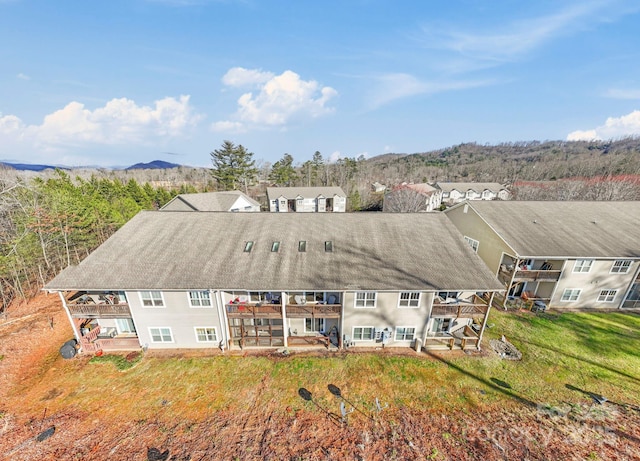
x=371 y=251
x=209 y=201
x=421 y=188
x=308 y=192
x=565 y=229
x=476 y=186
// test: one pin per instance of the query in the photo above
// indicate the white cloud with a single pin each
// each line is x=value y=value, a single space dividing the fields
x=277 y=100
x=120 y=121
x=613 y=128
x=391 y=87
x=511 y=41
x=228 y=127
x=22 y=76
x=240 y=77
x=618 y=93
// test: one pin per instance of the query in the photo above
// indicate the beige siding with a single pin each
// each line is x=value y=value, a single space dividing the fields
x=386 y=314
x=176 y=315
x=591 y=283
x=491 y=246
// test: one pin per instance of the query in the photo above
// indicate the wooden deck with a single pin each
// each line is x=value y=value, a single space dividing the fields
x=533 y=275
x=461 y=309
x=254 y=310
x=467 y=339
x=257 y=310
x=100 y=311
x=327 y=311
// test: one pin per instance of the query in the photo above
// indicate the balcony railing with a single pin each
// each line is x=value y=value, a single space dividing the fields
x=314 y=310
x=254 y=310
x=112 y=344
x=460 y=309
x=535 y=275
x=100 y=311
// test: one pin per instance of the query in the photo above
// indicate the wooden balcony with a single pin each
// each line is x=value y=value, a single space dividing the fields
x=256 y=310
x=531 y=275
x=460 y=309
x=100 y=311
x=106 y=339
x=327 y=311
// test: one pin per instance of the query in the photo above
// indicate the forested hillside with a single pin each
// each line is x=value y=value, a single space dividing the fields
x=48 y=224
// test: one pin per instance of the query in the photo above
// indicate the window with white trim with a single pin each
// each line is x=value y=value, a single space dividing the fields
x=405 y=333
x=365 y=299
x=151 y=299
x=206 y=334
x=363 y=333
x=160 y=335
x=409 y=299
x=472 y=243
x=607 y=296
x=621 y=266
x=582 y=265
x=570 y=294
x=200 y=299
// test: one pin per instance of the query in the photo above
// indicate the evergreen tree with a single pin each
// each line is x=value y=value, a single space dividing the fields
x=282 y=172
x=233 y=166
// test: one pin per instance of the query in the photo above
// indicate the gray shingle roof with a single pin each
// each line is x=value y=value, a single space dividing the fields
x=569 y=229
x=211 y=201
x=307 y=192
x=375 y=251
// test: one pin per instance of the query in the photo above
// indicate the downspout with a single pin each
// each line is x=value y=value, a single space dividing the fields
x=73 y=325
x=425 y=334
x=285 y=327
x=221 y=318
x=486 y=318
x=341 y=338
x=224 y=315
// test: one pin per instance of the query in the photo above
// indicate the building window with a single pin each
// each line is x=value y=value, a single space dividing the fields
x=363 y=333
x=409 y=299
x=472 y=243
x=582 y=265
x=161 y=335
x=405 y=333
x=206 y=335
x=328 y=246
x=151 y=299
x=570 y=294
x=607 y=296
x=365 y=299
x=275 y=246
x=302 y=246
x=621 y=266
x=199 y=299
x=248 y=246
x=314 y=325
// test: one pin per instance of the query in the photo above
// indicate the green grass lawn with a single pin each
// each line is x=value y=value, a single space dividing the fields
x=563 y=354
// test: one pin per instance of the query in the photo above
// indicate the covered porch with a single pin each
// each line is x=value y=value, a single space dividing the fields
x=103 y=321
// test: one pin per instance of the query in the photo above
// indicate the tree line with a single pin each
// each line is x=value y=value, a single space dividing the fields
x=49 y=224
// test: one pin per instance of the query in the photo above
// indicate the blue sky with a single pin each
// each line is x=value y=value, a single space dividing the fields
x=118 y=82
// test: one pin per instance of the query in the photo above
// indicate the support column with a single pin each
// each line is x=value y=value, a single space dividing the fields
x=486 y=318
x=76 y=333
x=285 y=329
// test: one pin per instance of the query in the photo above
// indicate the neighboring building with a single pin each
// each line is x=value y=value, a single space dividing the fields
x=567 y=254
x=412 y=198
x=212 y=201
x=378 y=188
x=307 y=199
x=456 y=192
x=170 y=280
